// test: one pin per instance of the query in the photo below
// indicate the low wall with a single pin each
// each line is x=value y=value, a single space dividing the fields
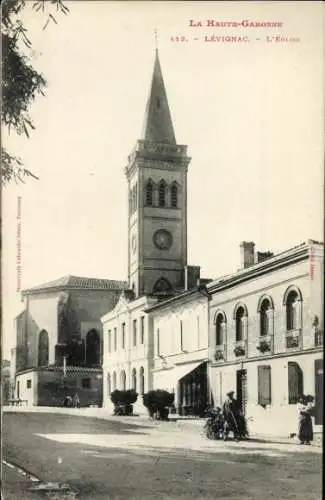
x=53 y=388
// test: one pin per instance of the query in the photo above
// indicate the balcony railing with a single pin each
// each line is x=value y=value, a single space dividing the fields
x=293 y=339
x=265 y=344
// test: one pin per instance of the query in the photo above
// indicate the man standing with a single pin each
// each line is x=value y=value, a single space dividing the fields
x=231 y=413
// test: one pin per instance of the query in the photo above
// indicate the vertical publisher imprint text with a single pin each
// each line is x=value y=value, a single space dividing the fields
x=18 y=250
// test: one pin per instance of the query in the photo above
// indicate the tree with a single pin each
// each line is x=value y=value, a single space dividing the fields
x=21 y=83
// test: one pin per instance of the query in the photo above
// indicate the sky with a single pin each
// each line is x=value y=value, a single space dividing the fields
x=251 y=113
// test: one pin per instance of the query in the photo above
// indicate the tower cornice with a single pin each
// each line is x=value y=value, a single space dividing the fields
x=157 y=155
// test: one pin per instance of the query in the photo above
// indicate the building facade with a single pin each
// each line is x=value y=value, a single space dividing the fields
x=180 y=332
x=59 y=340
x=266 y=335
x=128 y=348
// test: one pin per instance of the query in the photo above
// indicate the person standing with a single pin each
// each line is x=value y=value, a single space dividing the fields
x=76 y=400
x=305 y=424
x=231 y=415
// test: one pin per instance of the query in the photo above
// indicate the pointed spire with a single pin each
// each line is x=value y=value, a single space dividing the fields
x=158 y=125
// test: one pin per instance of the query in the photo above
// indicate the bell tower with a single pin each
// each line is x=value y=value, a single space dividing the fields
x=157 y=188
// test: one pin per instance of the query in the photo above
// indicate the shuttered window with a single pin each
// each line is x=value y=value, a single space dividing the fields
x=264 y=385
x=295 y=382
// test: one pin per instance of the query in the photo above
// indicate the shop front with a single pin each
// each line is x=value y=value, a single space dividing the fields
x=188 y=381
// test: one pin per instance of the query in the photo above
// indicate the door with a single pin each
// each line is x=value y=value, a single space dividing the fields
x=319 y=391
x=241 y=389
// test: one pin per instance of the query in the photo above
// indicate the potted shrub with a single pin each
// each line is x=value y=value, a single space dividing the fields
x=158 y=402
x=263 y=346
x=239 y=350
x=123 y=401
x=218 y=356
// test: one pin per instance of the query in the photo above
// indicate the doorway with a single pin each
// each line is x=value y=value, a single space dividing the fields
x=241 y=389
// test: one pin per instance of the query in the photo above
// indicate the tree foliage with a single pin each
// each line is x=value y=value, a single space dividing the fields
x=21 y=82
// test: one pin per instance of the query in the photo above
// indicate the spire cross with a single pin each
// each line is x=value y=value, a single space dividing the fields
x=156 y=40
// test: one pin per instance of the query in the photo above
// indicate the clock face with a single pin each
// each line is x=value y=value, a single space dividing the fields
x=162 y=239
x=134 y=243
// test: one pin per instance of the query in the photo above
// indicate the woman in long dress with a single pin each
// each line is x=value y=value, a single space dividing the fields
x=305 y=424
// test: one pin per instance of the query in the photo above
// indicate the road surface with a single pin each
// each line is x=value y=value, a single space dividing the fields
x=111 y=460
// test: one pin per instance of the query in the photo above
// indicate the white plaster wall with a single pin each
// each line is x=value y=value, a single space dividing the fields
x=131 y=356
x=30 y=395
x=279 y=418
x=275 y=285
x=194 y=317
x=42 y=315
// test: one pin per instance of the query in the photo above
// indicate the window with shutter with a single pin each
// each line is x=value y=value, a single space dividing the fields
x=264 y=385
x=295 y=382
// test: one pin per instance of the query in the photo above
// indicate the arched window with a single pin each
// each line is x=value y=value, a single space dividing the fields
x=114 y=381
x=92 y=348
x=240 y=332
x=43 y=348
x=162 y=194
x=291 y=310
x=174 y=196
x=134 y=379
x=162 y=287
x=265 y=318
x=109 y=388
x=220 y=329
x=141 y=377
x=123 y=380
x=295 y=382
x=149 y=193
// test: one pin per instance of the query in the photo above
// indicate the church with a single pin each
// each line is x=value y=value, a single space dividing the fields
x=258 y=331
x=158 y=271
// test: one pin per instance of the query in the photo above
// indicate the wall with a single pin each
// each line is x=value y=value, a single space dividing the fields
x=132 y=356
x=25 y=393
x=53 y=387
x=193 y=313
x=280 y=418
x=42 y=314
x=249 y=293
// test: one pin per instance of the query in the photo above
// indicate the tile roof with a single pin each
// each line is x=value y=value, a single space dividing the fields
x=77 y=282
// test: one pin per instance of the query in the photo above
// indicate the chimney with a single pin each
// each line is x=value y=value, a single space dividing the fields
x=247 y=254
x=191 y=277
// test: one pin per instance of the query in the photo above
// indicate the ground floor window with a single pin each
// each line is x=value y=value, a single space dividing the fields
x=86 y=383
x=264 y=385
x=141 y=376
x=29 y=384
x=193 y=392
x=295 y=382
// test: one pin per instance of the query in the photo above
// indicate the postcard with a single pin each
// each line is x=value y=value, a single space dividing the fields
x=163 y=262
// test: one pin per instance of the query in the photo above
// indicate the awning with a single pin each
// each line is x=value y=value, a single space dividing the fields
x=167 y=379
